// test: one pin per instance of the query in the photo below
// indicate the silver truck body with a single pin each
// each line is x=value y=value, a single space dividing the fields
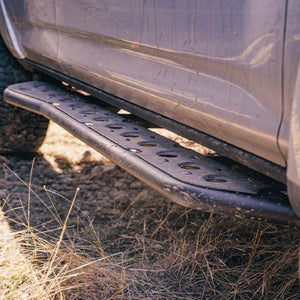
x=226 y=68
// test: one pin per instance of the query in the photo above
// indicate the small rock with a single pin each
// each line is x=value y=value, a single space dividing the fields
x=15 y=202
x=136 y=185
x=97 y=171
x=119 y=197
x=118 y=184
x=66 y=179
x=3 y=193
x=108 y=168
x=85 y=213
x=105 y=190
x=84 y=186
x=116 y=193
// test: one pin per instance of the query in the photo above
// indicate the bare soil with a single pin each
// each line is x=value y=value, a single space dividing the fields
x=155 y=248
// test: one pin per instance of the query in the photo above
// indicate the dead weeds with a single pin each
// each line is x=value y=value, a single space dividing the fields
x=119 y=239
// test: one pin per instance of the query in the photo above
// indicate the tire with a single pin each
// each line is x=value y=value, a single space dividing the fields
x=21 y=132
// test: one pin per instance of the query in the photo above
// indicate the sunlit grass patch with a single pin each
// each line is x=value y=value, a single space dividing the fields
x=17 y=275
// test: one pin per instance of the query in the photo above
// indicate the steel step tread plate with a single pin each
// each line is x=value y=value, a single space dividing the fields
x=160 y=162
x=166 y=155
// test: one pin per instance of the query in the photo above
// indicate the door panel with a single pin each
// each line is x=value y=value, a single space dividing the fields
x=213 y=65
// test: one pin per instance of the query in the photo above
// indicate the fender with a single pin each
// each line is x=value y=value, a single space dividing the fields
x=293 y=169
x=9 y=35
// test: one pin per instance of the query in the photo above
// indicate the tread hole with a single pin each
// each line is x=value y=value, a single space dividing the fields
x=131 y=135
x=167 y=154
x=189 y=166
x=215 y=179
x=116 y=126
x=88 y=112
x=101 y=119
x=147 y=144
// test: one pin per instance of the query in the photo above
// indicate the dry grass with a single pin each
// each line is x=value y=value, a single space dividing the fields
x=136 y=246
x=31 y=270
x=48 y=264
x=162 y=254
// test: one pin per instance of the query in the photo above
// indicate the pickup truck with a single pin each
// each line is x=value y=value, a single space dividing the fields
x=224 y=74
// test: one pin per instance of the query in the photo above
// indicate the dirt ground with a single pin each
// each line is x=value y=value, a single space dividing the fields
x=136 y=243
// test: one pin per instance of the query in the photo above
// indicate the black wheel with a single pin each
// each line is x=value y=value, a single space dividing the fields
x=21 y=131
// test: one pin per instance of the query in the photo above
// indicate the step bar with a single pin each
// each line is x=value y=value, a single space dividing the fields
x=187 y=177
